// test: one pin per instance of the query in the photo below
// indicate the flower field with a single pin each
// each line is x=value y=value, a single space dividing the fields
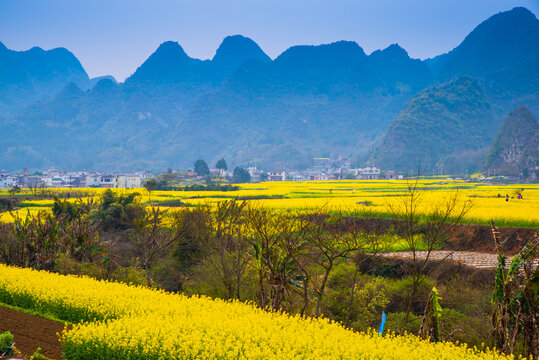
x=373 y=197
x=117 y=321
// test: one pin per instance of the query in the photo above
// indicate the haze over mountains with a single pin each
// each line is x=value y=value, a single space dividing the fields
x=278 y=114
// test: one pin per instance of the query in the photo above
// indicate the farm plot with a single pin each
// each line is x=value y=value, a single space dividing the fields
x=117 y=321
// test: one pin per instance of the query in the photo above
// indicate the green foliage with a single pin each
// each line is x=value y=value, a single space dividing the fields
x=14 y=190
x=445 y=119
x=201 y=168
x=151 y=185
x=221 y=164
x=399 y=292
x=435 y=300
x=37 y=355
x=369 y=300
x=6 y=341
x=516 y=147
x=117 y=211
x=69 y=209
x=241 y=175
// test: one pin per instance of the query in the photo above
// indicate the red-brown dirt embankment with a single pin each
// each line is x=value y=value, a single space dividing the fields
x=31 y=332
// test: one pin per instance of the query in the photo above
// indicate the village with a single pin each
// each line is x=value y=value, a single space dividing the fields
x=324 y=169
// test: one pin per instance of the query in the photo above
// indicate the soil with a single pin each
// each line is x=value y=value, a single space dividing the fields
x=31 y=332
x=476 y=238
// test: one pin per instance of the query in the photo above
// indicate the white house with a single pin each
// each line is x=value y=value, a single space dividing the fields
x=108 y=181
x=368 y=173
x=8 y=180
x=128 y=181
x=277 y=176
x=92 y=181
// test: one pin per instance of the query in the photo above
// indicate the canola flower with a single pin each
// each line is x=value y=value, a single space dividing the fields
x=118 y=321
x=373 y=196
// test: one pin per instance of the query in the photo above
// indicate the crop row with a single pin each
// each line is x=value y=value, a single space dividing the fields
x=118 y=321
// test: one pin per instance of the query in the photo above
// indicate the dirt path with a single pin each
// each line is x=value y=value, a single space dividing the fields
x=32 y=331
x=473 y=259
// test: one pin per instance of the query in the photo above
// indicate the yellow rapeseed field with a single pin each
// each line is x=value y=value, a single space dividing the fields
x=372 y=196
x=117 y=321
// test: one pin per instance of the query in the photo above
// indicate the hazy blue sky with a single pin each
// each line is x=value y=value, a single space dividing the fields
x=115 y=37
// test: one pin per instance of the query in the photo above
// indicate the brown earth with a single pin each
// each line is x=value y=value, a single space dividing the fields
x=31 y=332
x=476 y=238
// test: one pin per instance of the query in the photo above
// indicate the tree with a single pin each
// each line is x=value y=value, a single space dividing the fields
x=151 y=185
x=333 y=237
x=230 y=252
x=151 y=237
x=424 y=230
x=278 y=240
x=15 y=189
x=241 y=175
x=117 y=211
x=201 y=168
x=221 y=165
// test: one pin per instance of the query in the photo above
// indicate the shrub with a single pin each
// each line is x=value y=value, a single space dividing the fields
x=6 y=340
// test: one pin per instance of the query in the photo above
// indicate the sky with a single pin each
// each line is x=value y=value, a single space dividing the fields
x=114 y=37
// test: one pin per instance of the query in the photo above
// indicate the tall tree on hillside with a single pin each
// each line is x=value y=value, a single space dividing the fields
x=221 y=165
x=201 y=168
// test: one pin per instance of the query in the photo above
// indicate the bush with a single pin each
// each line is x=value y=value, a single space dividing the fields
x=370 y=298
x=399 y=295
x=6 y=341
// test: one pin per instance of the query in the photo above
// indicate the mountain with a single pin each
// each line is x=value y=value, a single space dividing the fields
x=515 y=151
x=28 y=76
x=241 y=104
x=398 y=69
x=441 y=127
x=276 y=114
x=503 y=52
x=168 y=64
x=308 y=101
x=233 y=52
x=95 y=80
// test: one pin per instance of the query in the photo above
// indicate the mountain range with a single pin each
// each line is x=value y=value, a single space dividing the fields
x=310 y=101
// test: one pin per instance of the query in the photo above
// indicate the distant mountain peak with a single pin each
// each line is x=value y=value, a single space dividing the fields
x=105 y=82
x=3 y=47
x=107 y=78
x=236 y=49
x=498 y=45
x=170 y=49
x=169 y=63
x=394 y=51
x=336 y=52
x=520 y=12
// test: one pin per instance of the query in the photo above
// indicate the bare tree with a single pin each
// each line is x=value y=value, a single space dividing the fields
x=434 y=221
x=151 y=237
x=232 y=253
x=277 y=238
x=333 y=237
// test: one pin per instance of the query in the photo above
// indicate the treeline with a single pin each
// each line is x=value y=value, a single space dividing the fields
x=312 y=263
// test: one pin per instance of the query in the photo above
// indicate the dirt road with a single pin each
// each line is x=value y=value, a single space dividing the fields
x=473 y=259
